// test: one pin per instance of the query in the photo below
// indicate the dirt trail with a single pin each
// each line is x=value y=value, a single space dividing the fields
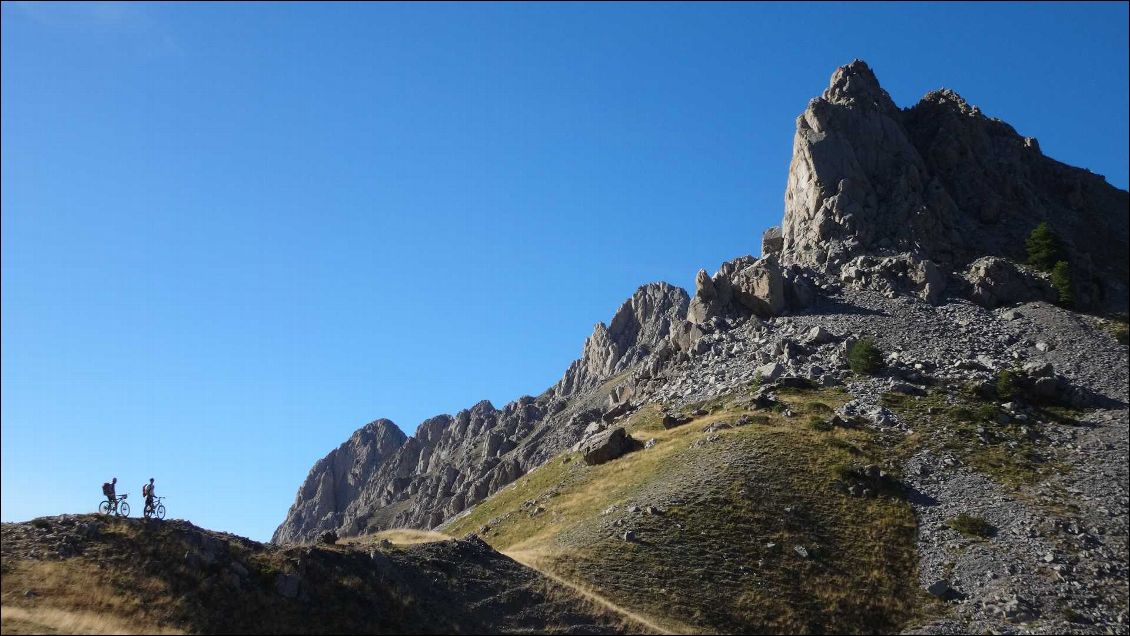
x=532 y=558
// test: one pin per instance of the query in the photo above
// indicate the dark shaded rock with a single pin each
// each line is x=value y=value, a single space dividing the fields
x=605 y=446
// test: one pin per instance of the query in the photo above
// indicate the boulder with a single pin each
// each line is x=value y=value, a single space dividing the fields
x=671 y=421
x=760 y=288
x=770 y=371
x=287 y=585
x=605 y=446
x=993 y=282
x=772 y=241
x=616 y=411
x=703 y=306
x=819 y=335
x=895 y=275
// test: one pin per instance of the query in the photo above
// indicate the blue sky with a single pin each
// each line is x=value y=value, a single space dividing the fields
x=232 y=234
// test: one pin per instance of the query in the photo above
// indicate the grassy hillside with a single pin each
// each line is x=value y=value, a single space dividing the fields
x=88 y=574
x=744 y=529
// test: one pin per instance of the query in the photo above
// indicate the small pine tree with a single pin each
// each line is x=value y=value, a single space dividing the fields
x=1061 y=283
x=1044 y=249
x=1005 y=387
x=865 y=357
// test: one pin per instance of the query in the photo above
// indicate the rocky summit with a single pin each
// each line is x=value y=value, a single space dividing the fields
x=896 y=400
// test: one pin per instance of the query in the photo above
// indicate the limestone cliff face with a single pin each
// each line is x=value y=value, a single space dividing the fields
x=942 y=182
x=339 y=477
x=380 y=479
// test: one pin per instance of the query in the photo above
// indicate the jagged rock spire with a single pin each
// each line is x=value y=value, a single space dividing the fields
x=939 y=182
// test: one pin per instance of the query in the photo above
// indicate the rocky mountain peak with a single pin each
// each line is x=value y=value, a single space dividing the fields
x=949 y=98
x=638 y=327
x=942 y=183
x=855 y=85
x=342 y=474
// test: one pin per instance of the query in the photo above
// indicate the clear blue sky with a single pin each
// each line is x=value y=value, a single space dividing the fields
x=232 y=234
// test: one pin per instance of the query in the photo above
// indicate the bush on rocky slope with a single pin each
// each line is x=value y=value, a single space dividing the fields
x=864 y=357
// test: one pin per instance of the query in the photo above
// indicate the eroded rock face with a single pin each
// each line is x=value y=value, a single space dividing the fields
x=943 y=183
x=895 y=275
x=741 y=286
x=380 y=479
x=340 y=476
x=772 y=241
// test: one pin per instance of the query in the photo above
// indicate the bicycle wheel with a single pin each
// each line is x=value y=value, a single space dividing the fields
x=123 y=509
x=104 y=508
x=160 y=512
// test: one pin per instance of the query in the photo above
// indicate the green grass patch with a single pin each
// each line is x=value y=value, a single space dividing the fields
x=820 y=424
x=1012 y=453
x=972 y=526
x=864 y=357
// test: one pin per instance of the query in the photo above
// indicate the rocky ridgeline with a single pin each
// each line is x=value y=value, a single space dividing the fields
x=379 y=478
x=904 y=226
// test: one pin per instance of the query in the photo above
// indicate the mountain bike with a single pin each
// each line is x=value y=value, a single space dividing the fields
x=157 y=511
x=118 y=506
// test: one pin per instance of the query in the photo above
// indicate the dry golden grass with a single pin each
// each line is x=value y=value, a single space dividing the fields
x=868 y=568
x=49 y=620
x=541 y=559
x=585 y=491
x=77 y=598
x=398 y=536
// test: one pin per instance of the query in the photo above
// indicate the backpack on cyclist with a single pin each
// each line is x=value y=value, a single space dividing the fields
x=145 y=490
x=106 y=489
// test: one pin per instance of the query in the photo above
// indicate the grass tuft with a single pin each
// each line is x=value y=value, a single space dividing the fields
x=971 y=526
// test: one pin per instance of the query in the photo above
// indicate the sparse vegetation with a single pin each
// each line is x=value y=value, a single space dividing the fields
x=820 y=424
x=1044 y=248
x=1122 y=334
x=972 y=526
x=1006 y=387
x=864 y=357
x=977 y=432
x=1061 y=283
x=690 y=563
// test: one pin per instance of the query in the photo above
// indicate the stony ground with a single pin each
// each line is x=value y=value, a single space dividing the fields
x=1057 y=560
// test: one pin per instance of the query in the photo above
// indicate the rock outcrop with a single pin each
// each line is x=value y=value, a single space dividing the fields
x=944 y=184
x=605 y=446
x=341 y=476
x=994 y=282
x=743 y=286
x=381 y=479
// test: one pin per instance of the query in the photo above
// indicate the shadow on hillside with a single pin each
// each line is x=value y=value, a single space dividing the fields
x=918 y=498
x=1090 y=399
x=836 y=307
